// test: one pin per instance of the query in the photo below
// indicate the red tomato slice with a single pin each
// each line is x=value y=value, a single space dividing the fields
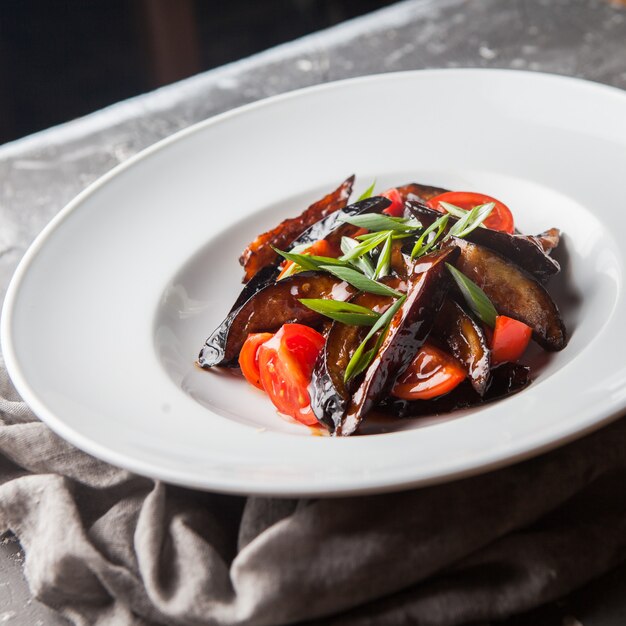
x=510 y=339
x=433 y=373
x=500 y=218
x=396 y=208
x=286 y=362
x=319 y=248
x=249 y=357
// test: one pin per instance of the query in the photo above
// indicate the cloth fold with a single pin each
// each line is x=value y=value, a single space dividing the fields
x=104 y=546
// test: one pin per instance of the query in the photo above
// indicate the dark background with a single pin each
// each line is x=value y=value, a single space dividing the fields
x=62 y=59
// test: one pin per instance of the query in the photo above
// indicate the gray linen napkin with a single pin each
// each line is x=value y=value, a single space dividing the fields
x=107 y=547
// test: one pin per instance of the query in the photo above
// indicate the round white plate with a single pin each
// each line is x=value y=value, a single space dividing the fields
x=109 y=307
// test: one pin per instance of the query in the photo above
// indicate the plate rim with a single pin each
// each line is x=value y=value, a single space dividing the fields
x=105 y=453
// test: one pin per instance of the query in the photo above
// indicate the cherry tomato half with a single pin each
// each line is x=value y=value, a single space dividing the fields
x=500 y=218
x=433 y=373
x=319 y=248
x=249 y=357
x=396 y=208
x=510 y=339
x=286 y=362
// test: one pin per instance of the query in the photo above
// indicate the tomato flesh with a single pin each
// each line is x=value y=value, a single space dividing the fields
x=319 y=248
x=500 y=218
x=396 y=208
x=285 y=363
x=249 y=357
x=510 y=339
x=432 y=373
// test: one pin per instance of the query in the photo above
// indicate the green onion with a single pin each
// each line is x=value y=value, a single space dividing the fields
x=454 y=210
x=361 y=360
x=475 y=297
x=377 y=222
x=360 y=262
x=342 y=311
x=364 y=247
x=368 y=192
x=419 y=248
x=471 y=220
x=308 y=261
x=383 y=266
x=361 y=282
x=394 y=236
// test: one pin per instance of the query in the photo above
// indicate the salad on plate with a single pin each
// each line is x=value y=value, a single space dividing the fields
x=411 y=302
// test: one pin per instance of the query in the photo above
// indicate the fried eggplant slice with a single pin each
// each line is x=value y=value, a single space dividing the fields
x=328 y=392
x=428 y=284
x=513 y=292
x=466 y=341
x=526 y=251
x=506 y=379
x=420 y=193
x=549 y=239
x=333 y=229
x=330 y=228
x=259 y=253
x=267 y=310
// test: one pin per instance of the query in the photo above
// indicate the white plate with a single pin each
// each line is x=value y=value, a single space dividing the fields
x=107 y=311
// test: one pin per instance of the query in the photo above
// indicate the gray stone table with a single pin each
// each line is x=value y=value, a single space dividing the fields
x=39 y=174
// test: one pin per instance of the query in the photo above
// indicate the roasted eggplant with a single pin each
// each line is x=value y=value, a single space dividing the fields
x=259 y=253
x=328 y=392
x=268 y=310
x=427 y=287
x=466 y=341
x=548 y=239
x=513 y=292
x=330 y=228
x=505 y=380
x=509 y=268
x=421 y=193
x=526 y=251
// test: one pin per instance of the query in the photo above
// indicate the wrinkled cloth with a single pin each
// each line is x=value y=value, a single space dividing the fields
x=104 y=546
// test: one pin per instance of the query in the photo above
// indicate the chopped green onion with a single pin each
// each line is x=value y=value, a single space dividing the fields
x=368 y=192
x=383 y=266
x=361 y=282
x=364 y=247
x=394 y=235
x=308 y=261
x=471 y=220
x=360 y=262
x=378 y=222
x=419 y=248
x=361 y=360
x=454 y=210
x=475 y=297
x=345 y=312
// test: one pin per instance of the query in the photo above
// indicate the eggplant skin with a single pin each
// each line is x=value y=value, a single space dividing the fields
x=528 y=251
x=266 y=311
x=466 y=341
x=514 y=293
x=330 y=228
x=419 y=192
x=329 y=394
x=428 y=284
x=259 y=253
x=548 y=239
x=333 y=229
x=506 y=379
